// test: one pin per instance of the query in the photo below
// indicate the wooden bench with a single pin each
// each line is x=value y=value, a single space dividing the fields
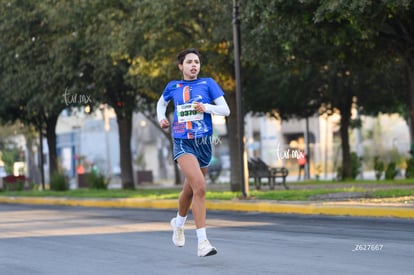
x=258 y=170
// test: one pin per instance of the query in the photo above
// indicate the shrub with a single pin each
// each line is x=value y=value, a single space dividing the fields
x=14 y=183
x=339 y=173
x=409 y=172
x=58 y=182
x=378 y=167
x=318 y=170
x=356 y=165
x=391 y=171
x=97 y=181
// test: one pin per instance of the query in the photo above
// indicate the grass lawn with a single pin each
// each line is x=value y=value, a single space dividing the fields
x=303 y=191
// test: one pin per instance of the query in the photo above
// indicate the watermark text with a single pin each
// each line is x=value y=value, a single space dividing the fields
x=289 y=153
x=76 y=98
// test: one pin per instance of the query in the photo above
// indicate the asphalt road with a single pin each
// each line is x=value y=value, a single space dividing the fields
x=78 y=240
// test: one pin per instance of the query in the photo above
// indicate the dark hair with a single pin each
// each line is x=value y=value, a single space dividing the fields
x=181 y=55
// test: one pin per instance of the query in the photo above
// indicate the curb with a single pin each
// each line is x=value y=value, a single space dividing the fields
x=303 y=208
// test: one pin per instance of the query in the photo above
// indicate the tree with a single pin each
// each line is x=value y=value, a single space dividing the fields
x=39 y=55
x=388 y=26
x=115 y=53
x=320 y=60
x=170 y=27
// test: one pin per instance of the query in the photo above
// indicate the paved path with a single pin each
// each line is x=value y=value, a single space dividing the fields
x=59 y=240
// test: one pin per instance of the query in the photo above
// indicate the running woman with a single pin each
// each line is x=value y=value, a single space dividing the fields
x=195 y=99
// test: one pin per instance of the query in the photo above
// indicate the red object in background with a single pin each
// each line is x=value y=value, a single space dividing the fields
x=80 y=170
x=13 y=179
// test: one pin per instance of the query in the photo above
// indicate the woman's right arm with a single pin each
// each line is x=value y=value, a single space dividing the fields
x=161 y=109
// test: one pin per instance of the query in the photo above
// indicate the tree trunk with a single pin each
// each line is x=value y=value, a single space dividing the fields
x=51 y=143
x=231 y=121
x=411 y=105
x=31 y=166
x=177 y=172
x=125 y=134
x=345 y=110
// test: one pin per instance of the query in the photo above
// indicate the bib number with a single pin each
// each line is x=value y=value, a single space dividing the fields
x=186 y=112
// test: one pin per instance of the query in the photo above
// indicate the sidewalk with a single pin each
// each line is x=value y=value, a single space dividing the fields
x=362 y=208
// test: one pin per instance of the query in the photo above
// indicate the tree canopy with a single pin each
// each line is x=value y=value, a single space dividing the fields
x=299 y=57
x=318 y=56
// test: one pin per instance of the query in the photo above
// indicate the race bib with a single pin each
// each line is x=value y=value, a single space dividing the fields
x=186 y=112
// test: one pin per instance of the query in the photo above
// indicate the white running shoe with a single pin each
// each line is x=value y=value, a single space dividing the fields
x=206 y=249
x=178 y=237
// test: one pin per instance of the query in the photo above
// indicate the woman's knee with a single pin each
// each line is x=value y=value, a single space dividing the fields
x=199 y=188
x=187 y=192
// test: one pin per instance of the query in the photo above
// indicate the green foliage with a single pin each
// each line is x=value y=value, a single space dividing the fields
x=313 y=190
x=15 y=185
x=321 y=54
x=140 y=161
x=378 y=167
x=318 y=170
x=96 y=181
x=409 y=172
x=339 y=173
x=9 y=157
x=356 y=165
x=299 y=57
x=391 y=171
x=58 y=182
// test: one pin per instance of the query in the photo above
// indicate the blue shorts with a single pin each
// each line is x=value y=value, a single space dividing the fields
x=199 y=147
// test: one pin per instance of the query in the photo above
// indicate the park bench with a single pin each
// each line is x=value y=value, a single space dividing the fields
x=259 y=170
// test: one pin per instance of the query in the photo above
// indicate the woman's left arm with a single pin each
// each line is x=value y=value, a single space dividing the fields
x=219 y=107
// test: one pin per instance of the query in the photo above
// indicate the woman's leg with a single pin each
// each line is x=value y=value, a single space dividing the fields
x=194 y=189
x=194 y=192
x=184 y=201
